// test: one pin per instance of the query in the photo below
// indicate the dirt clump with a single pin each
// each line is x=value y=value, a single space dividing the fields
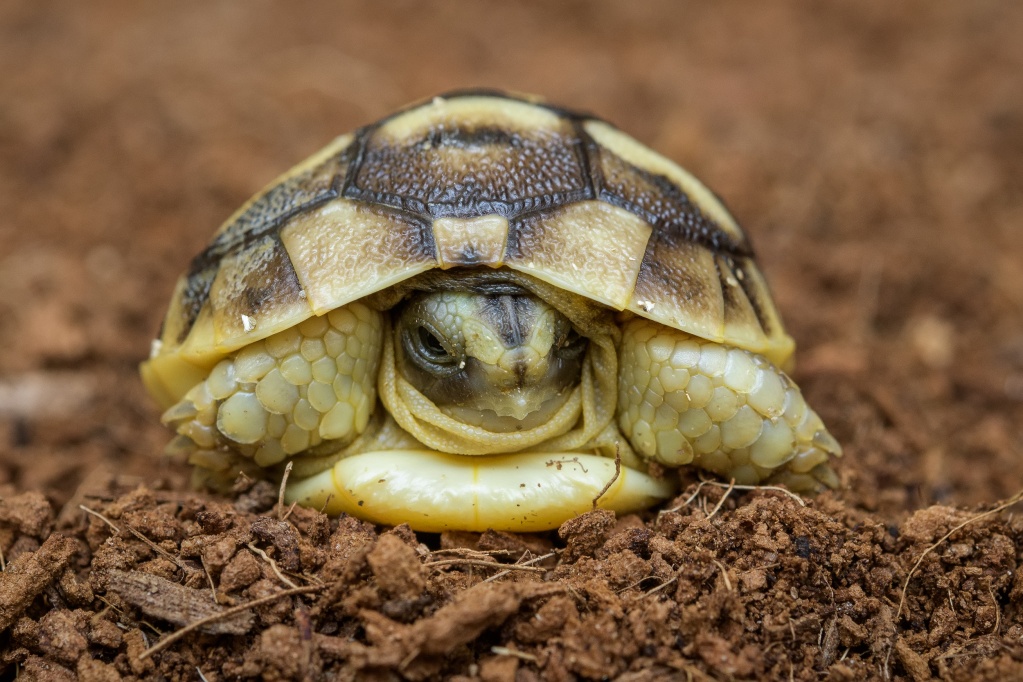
x=722 y=584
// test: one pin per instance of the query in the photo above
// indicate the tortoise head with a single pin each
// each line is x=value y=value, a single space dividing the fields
x=502 y=359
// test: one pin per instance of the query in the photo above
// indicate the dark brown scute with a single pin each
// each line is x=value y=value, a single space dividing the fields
x=257 y=276
x=741 y=297
x=264 y=216
x=467 y=172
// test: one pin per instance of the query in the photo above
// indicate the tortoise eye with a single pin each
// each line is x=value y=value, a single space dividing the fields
x=427 y=350
x=432 y=348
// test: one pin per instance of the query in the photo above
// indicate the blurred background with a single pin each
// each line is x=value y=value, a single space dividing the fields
x=872 y=150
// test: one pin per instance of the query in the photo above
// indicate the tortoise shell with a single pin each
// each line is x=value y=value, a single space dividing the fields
x=472 y=179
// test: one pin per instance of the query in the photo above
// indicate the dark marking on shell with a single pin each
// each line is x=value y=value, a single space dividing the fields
x=755 y=294
x=265 y=215
x=196 y=291
x=467 y=172
x=664 y=205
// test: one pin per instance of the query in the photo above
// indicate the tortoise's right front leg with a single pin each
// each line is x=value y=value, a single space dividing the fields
x=683 y=400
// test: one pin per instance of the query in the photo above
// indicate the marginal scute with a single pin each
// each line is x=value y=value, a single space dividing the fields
x=742 y=325
x=678 y=286
x=200 y=347
x=345 y=250
x=590 y=247
x=310 y=183
x=778 y=346
x=256 y=293
x=194 y=294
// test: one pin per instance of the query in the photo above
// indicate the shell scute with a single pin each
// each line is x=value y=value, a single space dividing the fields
x=344 y=250
x=255 y=293
x=466 y=158
x=589 y=247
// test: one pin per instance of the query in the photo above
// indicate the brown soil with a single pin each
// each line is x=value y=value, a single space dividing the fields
x=874 y=151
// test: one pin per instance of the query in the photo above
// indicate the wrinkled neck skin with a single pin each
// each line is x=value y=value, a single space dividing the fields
x=502 y=360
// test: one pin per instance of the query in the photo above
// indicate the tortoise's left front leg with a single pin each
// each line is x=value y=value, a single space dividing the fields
x=683 y=400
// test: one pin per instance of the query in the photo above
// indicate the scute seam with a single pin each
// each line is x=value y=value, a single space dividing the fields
x=754 y=301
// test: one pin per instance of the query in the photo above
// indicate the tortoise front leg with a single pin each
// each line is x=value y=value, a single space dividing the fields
x=683 y=400
x=275 y=398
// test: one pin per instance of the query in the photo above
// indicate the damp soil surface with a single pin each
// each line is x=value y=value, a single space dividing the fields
x=874 y=153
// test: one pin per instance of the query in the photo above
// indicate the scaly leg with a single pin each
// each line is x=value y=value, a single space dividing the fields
x=683 y=400
x=283 y=395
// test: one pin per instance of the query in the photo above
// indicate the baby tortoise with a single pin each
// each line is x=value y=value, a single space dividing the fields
x=461 y=315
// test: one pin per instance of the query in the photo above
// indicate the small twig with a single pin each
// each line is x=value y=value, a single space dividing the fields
x=690 y=498
x=273 y=565
x=209 y=577
x=663 y=585
x=724 y=574
x=326 y=501
x=505 y=651
x=280 y=494
x=728 y=491
x=687 y=501
x=412 y=655
x=465 y=551
x=149 y=543
x=775 y=488
x=487 y=564
x=109 y=606
x=508 y=568
x=618 y=472
x=998 y=611
x=636 y=583
x=201 y=676
x=100 y=517
x=226 y=613
x=767 y=566
x=735 y=486
x=291 y=508
x=160 y=550
x=1004 y=505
